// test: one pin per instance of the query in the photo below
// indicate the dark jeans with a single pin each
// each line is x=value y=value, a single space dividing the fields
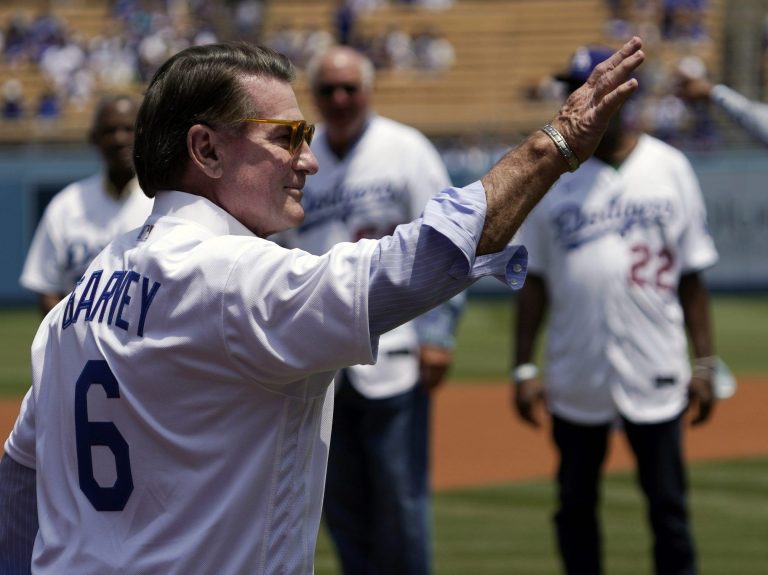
x=661 y=474
x=376 y=495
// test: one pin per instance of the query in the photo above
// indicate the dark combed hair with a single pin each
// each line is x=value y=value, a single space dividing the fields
x=199 y=85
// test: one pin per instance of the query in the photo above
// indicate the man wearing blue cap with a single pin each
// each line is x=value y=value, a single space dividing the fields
x=615 y=255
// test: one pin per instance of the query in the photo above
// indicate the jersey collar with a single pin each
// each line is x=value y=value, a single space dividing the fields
x=194 y=208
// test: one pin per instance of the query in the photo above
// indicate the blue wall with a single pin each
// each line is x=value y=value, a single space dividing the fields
x=734 y=185
x=28 y=176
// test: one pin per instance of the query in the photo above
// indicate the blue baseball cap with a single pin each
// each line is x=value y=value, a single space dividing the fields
x=582 y=63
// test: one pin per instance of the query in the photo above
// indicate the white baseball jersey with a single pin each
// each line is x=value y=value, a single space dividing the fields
x=385 y=180
x=611 y=245
x=76 y=225
x=151 y=353
x=183 y=387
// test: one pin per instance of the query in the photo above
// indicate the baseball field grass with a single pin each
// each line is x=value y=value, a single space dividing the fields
x=506 y=529
x=485 y=335
x=483 y=341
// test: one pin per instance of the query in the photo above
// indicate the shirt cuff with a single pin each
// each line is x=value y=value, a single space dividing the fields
x=459 y=215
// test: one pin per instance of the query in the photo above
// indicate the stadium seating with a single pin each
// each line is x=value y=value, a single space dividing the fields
x=503 y=49
x=87 y=19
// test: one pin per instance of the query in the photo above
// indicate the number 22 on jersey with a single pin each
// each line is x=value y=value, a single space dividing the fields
x=649 y=268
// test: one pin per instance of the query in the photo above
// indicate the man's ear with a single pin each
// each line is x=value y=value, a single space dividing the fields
x=202 y=145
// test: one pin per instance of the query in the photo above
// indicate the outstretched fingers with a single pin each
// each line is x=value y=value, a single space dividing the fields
x=612 y=80
x=614 y=100
x=584 y=116
x=617 y=69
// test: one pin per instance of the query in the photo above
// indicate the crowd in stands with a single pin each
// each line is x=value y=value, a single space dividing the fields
x=426 y=49
x=142 y=35
x=298 y=43
x=680 y=26
x=658 y=20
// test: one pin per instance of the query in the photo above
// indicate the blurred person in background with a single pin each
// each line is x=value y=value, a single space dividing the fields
x=695 y=88
x=616 y=252
x=374 y=175
x=12 y=99
x=84 y=217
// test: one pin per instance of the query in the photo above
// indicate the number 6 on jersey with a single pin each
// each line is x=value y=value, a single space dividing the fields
x=103 y=433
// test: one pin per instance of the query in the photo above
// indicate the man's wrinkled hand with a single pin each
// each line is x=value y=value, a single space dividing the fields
x=584 y=116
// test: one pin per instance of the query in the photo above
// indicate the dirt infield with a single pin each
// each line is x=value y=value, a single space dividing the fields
x=477 y=440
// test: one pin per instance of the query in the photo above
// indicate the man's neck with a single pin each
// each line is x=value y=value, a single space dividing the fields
x=340 y=145
x=117 y=183
x=342 y=141
x=617 y=154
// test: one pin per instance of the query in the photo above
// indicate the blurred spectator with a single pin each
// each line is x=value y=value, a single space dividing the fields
x=47 y=112
x=46 y=30
x=153 y=50
x=702 y=132
x=286 y=39
x=15 y=39
x=81 y=88
x=113 y=62
x=83 y=218
x=398 y=48
x=248 y=15
x=48 y=105
x=124 y=9
x=684 y=20
x=667 y=119
x=376 y=503
x=435 y=4
x=60 y=60
x=345 y=18
x=13 y=98
x=316 y=41
x=616 y=253
x=751 y=115
x=619 y=24
x=433 y=50
x=429 y=4
x=361 y=6
x=646 y=17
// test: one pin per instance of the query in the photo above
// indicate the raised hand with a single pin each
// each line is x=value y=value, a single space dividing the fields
x=584 y=116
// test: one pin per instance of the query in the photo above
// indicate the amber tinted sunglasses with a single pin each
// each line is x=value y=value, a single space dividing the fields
x=300 y=130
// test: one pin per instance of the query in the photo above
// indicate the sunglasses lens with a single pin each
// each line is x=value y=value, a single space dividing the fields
x=302 y=131
x=309 y=133
x=297 y=134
